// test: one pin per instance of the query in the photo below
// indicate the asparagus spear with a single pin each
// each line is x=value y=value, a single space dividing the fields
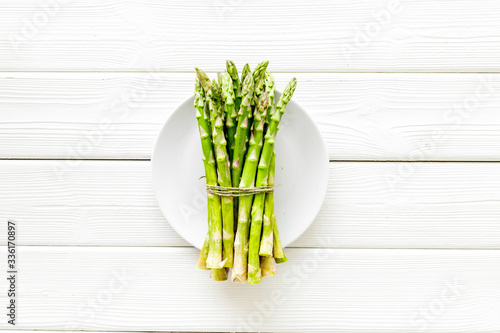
x=239 y=93
x=229 y=109
x=268 y=266
x=241 y=131
x=270 y=87
x=219 y=274
x=276 y=247
x=248 y=180
x=259 y=76
x=235 y=81
x=259 y=73
x=233 y=72
x=206 y=86
x=214 y=205
x=266 y=242
x=202 y=259
x=237 y=84
x=246 y=70
x=254 y=272
x=281 y=260
x=224 y=174
x=278 y=252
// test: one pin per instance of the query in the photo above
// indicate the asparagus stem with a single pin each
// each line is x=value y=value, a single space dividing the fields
x=219 y=274
x=281 y=260
x=267 y=266
x=233 y=72
x=254 y=272
x=259 y=77
x=224 y=174
x=278 y=252
x=214 y=259
x=228 y=230
x=241 y=131
x=248 y=180
x=239 y=93
x=214 y=205
x=202 y=259
x=258 y=74
x=229 y=109
x=244 y=73
x=246 y=70
x=271 y=90
x=266 y=242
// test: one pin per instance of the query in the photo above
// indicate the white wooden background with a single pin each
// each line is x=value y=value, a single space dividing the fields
x=405 y=92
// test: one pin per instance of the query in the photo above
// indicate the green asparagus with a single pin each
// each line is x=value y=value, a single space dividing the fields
x=202 y=259
x=267 y=265
x=266 y=244
x=246 y=70
x=241 y=132
x=214 y=205
x=254 y=272
x=233 y=72
x=238 y=123
x=281 y=260
x=219 y=274
x=248 y=180
x=224 y=174
x=270 y=87
x=230 y=111
x=259 y=76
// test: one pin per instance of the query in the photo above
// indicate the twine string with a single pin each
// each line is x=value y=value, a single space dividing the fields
x=236 y=191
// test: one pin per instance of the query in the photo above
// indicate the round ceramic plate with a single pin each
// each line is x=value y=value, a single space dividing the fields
x=301 y=177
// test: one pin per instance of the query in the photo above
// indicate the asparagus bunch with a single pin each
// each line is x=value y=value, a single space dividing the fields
x=238 y=123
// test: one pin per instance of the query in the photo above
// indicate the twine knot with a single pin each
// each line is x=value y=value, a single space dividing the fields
x=237 y=191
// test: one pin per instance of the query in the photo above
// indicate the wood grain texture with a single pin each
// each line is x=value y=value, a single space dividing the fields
x=146 y=289
x=368 y=205
x=406 y=117
x=320 y=35
x=397 y=247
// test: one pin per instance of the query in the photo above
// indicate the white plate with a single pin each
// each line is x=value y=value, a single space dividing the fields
x=301 y=174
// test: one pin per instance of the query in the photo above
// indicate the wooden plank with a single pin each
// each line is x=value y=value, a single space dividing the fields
x=406 y=117
x=320 y=35
x=146 y=289
x=368 y=205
